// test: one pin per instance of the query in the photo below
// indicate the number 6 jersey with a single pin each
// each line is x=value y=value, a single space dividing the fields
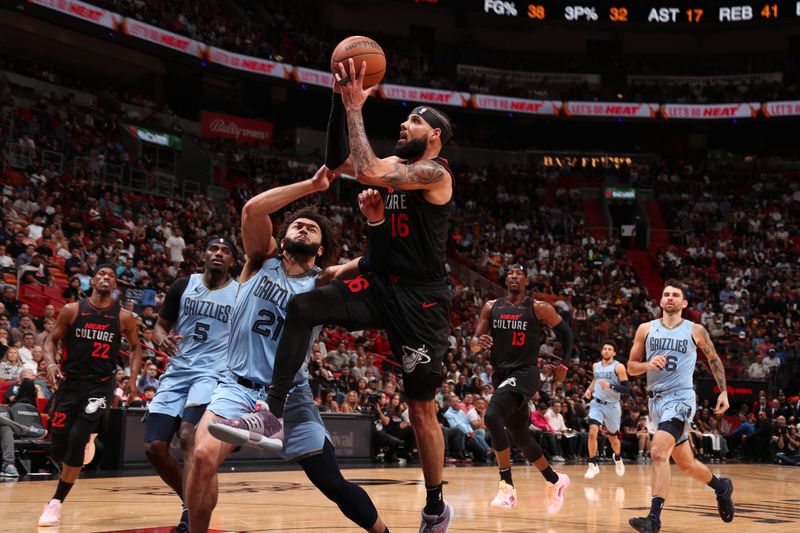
x=258 y=317
x=680 y=351
x=516 y=334
x=202 y=316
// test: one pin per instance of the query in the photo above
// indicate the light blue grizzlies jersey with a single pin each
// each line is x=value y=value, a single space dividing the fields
x=680 y=350
x=258 y=317
x=204 y=323
x=609 y=374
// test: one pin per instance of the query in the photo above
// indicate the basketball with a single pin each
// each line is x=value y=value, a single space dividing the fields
x=361 y=48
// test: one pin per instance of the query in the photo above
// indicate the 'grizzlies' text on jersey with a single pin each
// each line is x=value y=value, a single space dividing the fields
x=258 y=317
x=204 y=320
x=680 y=350
x=609 y=374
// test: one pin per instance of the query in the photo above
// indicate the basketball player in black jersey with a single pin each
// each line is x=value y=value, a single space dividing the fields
x=408 y=295
x=509 y=327
x=91 y=332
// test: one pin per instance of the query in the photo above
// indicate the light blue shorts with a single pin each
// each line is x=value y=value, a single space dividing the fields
x=180 y=389
x=679 y=404
x=609 y=414
x=302 y=424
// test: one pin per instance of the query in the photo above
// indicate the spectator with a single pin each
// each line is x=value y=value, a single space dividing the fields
x=36 y=272
x=457 y=419
x=175 y=246
x=11 y=365
x=545 y=434
x=148 y=378
x=74 y=291
x=26 y=350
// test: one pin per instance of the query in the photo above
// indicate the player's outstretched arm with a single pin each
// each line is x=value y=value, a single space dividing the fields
x=65 y=318
x=703 y=341
x=259 y=244
x=636 y=365
x=482 y=340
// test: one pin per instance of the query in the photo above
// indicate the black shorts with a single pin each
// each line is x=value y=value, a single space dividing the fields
x=416 y=317
x=521 y=383
x=524 y=380
x=88 y=398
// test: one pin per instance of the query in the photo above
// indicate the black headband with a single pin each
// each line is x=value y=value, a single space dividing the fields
x=431 y=116
x=222 y=240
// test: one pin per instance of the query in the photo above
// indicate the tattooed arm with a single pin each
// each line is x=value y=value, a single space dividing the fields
x=703 y=340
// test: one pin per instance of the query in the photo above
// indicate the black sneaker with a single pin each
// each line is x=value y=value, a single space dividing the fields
x=645 y=524
x=725 y=501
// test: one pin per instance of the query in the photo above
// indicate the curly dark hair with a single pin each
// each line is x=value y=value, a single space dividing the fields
x=330 y=246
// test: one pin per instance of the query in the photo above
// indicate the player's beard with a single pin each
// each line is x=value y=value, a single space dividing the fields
x=411 y=149
x=308 y=249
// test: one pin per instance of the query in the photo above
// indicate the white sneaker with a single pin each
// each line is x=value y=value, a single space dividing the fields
x=51 y=516
x=592 y=471
x=619 y=467
x=506 y=496
x=558 y=459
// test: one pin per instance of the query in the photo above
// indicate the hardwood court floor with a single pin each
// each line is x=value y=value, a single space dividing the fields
x=767 y=499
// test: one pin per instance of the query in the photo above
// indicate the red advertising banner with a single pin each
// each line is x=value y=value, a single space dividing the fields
x=610 y=109
x=710 y=111
x=156 y=35
x=81 y=10
x=515 y=105
x=240 y=129
x=310 y=76
x=422 y=94
x=781 y=109
x=251 y=64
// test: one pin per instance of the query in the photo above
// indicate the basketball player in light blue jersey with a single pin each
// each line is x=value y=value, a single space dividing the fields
x=666 y=349
x=199 y=307
x=610 y=381
x=275 y=271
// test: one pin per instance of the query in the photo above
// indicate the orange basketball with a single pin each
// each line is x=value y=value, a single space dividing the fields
x=360 y=48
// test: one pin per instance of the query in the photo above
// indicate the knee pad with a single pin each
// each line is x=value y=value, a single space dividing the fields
x=674 y=427
x=496 y=424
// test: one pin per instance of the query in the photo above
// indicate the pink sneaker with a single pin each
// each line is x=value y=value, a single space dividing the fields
x=51 y=516
x=259 y=429
x=506 y=496
x=555 y=493
x=437 y=524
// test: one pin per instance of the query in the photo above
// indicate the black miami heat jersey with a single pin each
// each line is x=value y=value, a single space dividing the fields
x=516 y=334
x=418 y=232
x=91 y=347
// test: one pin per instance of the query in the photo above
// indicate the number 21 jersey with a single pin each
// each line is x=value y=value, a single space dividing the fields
x=258 y=317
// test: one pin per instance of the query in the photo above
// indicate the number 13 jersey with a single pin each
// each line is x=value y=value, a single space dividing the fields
x=680 y=350
x=258 y=317
x=516 y=334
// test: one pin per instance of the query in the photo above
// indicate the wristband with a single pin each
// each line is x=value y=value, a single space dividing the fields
x=374 y=224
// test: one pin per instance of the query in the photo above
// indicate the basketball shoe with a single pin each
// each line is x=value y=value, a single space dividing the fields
x=555 y=493
x=259 y=429
x=506 y=496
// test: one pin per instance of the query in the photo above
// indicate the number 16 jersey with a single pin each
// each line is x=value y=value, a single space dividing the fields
x=258 y=317
x=516 y=334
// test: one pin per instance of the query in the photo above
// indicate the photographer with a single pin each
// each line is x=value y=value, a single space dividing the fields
x=786 y=443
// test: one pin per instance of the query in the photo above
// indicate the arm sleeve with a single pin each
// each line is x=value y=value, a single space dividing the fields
x=564 y=335
x=374 y=258
x=337 y=145
x=172 y=300
x=624 y=387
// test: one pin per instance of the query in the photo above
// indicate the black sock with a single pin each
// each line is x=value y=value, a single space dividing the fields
x=593 y=460
x=614 y=457
x=434 y=505
x=62 y=490
x=386 y=530
x=656 y=505
x=505 y=475
x=717 y=484
x=550 y=474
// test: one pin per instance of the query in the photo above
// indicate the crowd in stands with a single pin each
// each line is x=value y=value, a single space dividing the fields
x=282 y=31
x=738 y=254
